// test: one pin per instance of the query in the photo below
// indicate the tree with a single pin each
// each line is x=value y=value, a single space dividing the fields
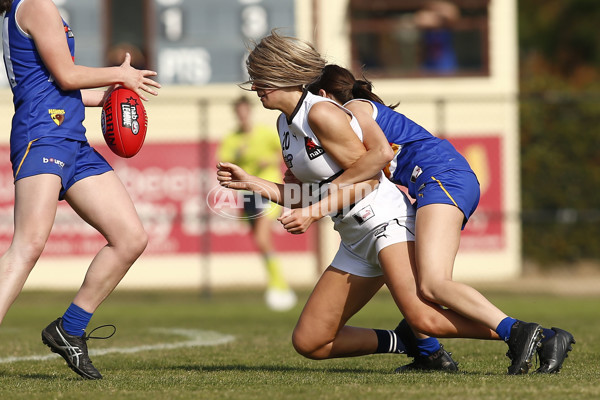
x=560 y=141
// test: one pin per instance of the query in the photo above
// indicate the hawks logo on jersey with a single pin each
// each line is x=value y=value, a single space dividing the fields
x=58 y=116
x=312 y=149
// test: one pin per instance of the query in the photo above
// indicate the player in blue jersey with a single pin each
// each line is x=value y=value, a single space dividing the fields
x=447 y=193
x=318 y=139
x=52 y=161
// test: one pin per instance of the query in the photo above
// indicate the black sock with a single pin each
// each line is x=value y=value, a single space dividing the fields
x=389 y=342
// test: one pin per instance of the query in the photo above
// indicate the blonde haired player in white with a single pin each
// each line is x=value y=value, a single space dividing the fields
x=319 y=140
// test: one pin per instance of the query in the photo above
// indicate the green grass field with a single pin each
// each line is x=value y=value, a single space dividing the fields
x=232 y=347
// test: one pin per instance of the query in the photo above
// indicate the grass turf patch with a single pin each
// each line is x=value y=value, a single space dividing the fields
x=260 y=363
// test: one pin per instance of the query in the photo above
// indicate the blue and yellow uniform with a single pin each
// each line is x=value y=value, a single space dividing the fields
x=47 y=136
x=431 y=168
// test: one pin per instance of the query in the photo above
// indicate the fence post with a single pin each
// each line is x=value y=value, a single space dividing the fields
x=205 y=245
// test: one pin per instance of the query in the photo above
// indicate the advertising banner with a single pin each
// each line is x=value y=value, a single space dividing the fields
x=485 y=230
x=182 y=207
x=169 y=184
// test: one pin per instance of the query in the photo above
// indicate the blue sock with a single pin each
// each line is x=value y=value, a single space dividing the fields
x=75 y=320
x=389 y=342
x=428 y=346
x=548 y=333
x=503 y=329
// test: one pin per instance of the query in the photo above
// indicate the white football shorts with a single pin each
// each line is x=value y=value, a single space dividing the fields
x=384 y=217
x=361 y=258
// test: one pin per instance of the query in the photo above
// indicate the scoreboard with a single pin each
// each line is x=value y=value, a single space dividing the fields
x=189 y=42
x=202 y=41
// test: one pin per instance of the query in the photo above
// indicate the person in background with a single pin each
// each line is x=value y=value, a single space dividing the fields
x=52 y=160
x=256 y=149
x=435 y=20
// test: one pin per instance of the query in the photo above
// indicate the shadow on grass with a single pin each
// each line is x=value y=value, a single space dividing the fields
x=269 y=368
x=284 y=368
x=37 y=377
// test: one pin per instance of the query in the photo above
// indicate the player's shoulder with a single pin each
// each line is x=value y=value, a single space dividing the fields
x=360 y=105
x=39 y=6
x=32 y=12
x=324 y=110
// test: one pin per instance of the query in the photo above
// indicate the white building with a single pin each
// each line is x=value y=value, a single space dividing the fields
x=467 y=95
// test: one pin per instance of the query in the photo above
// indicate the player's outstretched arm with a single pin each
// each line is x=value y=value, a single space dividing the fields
x=290 y=195
x=233 y=176
x=41 y=19
x=339 y=197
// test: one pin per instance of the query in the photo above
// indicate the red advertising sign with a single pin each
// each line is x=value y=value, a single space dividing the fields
x=169 y=184
x=485 y=230
x=173 y=187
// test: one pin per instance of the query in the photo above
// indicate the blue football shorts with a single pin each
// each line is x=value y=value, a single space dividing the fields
x=454 y=187
x=72 y=160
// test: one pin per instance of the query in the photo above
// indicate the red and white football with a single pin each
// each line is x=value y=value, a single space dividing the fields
x=124 y=122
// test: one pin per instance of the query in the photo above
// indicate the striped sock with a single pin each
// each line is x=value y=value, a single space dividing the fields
x=389 y=342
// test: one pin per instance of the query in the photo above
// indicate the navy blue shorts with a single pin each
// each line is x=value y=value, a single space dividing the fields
x=72 y=160
x=458 y=188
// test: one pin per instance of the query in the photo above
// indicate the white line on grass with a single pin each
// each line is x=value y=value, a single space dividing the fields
x=196 y=338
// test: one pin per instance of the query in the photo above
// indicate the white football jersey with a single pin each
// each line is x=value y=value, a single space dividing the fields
x=302 y=151
x=308 y=161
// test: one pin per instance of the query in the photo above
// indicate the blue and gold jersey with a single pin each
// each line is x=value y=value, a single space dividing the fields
x=42 y=108
x=419 y=154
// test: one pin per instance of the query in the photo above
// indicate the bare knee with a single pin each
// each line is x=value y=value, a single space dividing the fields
x=28 y=251
x=138 y=243
x=309 y=346
x=427 y=322
x=418 y=323
x=430 y=290
x=132 y=244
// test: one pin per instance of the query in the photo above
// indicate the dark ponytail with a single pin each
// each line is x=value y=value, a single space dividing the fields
x=341 y=84
x=5 y=5
x=363 y=89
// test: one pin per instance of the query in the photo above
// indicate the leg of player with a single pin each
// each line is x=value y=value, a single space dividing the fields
x=321 y=331
x=103 y=202
x=398 y=264
x=438 y=228
x=438 y=238
x=36 y=199
x=279 y=296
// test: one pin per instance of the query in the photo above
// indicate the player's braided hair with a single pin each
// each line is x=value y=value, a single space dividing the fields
x=282 y=61
x=5 y=5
